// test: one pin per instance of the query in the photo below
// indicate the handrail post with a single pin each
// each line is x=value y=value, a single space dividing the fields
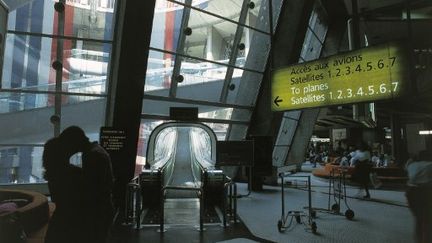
x=202 y=210
x=224 y=202
x=283 y=196
x=127 y=205
x=235 y=203
x=161 y=217
x=138 y=207
x=310 y=200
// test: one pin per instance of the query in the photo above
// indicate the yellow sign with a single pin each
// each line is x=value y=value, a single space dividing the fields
x=368 y=74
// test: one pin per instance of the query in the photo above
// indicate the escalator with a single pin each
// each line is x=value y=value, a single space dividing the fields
x=182 y=175
x=180 y=185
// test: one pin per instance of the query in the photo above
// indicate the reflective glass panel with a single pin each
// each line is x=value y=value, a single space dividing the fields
x=159 y=71
x=256 y=51
x=85 y=19
x=318 y=22
x=311 y=47
x=36 y=16
x=245 y=87
x=25 y=117
x=201 y=80
x=166 y=25
x=226 y=8
x=21 y=164
x=157 y=107
x=27 y=62
x=223 y=114
x=13 y=102
x=211 y=37
x=146 y=128
x=255 y=39
x=85 y=66
x=219 y=129
x=258 y=15
x=75 y=108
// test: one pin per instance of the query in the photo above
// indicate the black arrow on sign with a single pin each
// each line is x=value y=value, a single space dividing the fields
x=277 y=100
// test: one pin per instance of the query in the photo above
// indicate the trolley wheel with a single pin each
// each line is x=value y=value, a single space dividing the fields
x=335 y=207
x=279 y=225
x=349 y=214
x=298 y=219
x=313 y=214
x=314 y=227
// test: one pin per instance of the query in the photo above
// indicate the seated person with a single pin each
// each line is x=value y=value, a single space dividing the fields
x=345 y=160
x=376 y=160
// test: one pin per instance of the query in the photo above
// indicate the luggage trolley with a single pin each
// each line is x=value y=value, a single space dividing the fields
x=300 y=216
x=337 y=189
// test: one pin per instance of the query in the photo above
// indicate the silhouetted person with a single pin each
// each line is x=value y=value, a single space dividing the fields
x=98 y=180
x=65 y=183
x=419 y=195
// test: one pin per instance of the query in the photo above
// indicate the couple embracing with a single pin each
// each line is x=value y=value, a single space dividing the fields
x=83 y=195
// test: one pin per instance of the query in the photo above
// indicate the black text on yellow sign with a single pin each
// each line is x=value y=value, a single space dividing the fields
x=368 y=74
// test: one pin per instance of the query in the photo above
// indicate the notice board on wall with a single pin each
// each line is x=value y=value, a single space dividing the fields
x=112 y=139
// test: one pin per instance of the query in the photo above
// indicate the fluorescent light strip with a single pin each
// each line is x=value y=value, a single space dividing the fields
x=425 y=132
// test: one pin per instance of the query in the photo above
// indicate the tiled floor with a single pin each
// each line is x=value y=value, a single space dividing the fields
x=385 y=218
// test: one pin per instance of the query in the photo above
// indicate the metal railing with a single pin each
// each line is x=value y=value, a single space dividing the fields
x=230 y=198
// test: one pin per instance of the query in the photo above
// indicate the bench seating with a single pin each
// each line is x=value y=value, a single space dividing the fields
x=33 y=216
x=387 y=174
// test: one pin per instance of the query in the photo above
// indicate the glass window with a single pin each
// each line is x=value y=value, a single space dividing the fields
x=73 y=114
x=252 y=38
x=166 y=25
x=21 y=164
x=81 y=20
x=36 y=16
x=161 y=108
x=159 y=72
x=229 y=9
x=211 y=37
x=146 y=127
x=244 y=87
x=219 y=129
x=201 y=80
x=85 y=66
x=27 y=62
x=17 y=101
x=29 y=125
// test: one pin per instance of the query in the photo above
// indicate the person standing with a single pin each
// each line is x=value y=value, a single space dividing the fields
x=361 y=161
x=419 y=195
x=98 y=180
x=66 y=186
